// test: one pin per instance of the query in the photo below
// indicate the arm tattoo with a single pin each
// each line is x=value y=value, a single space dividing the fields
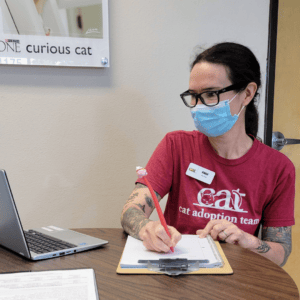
x=264 y=247
x=132 y=198
x=142 y=207
x=133 y=220
x=281 y=235
x=150 y=202
x=134 y=216
x=140 y=186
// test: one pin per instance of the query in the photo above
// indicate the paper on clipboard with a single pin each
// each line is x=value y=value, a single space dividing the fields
x=190 y=247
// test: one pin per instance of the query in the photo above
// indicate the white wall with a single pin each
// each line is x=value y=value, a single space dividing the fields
x=70 y=138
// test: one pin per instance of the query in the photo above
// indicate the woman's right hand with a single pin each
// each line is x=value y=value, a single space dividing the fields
x=155 y=237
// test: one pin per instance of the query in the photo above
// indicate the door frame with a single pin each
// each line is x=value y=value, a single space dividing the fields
x=270 y=72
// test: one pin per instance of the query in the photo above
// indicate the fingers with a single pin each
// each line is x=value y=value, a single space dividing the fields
x=223 y=235
x=222 y=230
x=156 y=245
x=175 y=236
x=156 y=239
x=213 y=228
x=233 y=235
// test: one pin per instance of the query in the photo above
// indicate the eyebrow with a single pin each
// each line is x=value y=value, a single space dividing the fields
x=207 y=89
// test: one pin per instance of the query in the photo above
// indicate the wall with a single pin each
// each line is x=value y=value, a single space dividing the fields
x=70 y=138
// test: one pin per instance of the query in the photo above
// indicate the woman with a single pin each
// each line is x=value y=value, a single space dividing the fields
x=235 y=183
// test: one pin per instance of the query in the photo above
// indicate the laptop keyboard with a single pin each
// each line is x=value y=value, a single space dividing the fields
x=42 y=243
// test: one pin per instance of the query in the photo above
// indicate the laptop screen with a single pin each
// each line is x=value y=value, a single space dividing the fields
x=11 y=231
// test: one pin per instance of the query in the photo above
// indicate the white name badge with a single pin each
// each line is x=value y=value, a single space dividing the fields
x=200 y=173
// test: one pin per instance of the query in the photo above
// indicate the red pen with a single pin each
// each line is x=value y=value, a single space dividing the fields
x=142 y=174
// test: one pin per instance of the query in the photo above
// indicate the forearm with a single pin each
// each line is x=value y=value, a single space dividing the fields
x=276 y=244
x=136 y=211
x=271 y=250
x=133 y=219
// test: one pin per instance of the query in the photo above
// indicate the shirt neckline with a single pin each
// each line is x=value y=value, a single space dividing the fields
x=211 y=151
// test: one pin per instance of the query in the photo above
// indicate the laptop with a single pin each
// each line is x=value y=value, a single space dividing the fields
x=40 y=243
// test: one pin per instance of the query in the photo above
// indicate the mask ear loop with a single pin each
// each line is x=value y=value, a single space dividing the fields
x=241 y=110
x=233 y=98
x=242 y=107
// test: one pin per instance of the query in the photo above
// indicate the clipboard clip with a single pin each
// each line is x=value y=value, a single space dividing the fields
x=173 y=267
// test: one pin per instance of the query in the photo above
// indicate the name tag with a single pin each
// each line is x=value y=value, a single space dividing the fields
x=200 y=173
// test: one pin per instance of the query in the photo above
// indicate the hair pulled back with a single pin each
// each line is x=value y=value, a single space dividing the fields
x=241 y=66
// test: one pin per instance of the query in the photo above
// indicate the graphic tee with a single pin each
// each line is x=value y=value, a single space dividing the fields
x=258 y=187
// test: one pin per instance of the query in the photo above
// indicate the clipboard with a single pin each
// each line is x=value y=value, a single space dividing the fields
x=224 y=270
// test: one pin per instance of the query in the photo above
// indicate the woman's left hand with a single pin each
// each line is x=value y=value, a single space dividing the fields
x=227 y=232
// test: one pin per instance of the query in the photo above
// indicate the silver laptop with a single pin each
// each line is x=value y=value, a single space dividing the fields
x=39 y=243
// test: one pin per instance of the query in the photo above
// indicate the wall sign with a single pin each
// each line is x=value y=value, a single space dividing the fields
x=70 y=33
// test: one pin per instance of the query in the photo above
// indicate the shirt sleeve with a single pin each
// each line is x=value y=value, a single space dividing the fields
x=160 y=167
x=279 y=212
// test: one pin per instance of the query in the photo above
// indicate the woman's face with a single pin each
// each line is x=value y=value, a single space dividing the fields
x=212 y=77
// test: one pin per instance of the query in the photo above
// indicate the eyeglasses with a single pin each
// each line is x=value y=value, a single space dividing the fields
x=210 y=98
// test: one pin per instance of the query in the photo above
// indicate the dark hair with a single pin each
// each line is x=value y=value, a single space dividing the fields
x=241 y=66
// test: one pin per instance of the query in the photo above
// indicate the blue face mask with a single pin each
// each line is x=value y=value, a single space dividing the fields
x=216 y=120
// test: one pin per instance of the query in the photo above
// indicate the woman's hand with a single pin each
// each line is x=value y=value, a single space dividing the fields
x=229 y=233
x=155 y=238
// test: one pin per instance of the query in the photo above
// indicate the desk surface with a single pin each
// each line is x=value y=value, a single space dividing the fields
x=255 y=277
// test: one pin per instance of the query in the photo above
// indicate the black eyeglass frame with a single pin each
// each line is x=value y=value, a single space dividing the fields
x=198 y=96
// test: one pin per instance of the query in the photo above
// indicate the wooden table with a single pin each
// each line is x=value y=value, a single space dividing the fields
x=255 y=277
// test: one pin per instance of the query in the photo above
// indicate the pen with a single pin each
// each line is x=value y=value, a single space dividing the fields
x=142 y=174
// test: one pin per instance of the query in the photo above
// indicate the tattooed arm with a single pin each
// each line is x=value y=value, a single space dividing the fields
x=276 y=244
x=135 y=221
x=137 y=210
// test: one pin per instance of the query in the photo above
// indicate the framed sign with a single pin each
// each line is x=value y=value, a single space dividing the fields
x=70 y=33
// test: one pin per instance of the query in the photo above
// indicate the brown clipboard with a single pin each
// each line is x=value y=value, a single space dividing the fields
x=224 y=270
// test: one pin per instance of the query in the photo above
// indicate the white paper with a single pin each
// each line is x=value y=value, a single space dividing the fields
x=190 y=247
x=49 y=285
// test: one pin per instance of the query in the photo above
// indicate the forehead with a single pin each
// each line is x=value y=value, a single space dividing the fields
x=208 y=75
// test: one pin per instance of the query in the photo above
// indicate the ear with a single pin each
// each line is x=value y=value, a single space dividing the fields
x=249 y=92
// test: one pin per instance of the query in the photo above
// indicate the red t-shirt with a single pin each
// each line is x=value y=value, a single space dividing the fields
x=258 y=187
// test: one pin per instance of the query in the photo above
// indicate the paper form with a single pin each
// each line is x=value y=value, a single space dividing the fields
x=49 y=285
x=190 y=247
